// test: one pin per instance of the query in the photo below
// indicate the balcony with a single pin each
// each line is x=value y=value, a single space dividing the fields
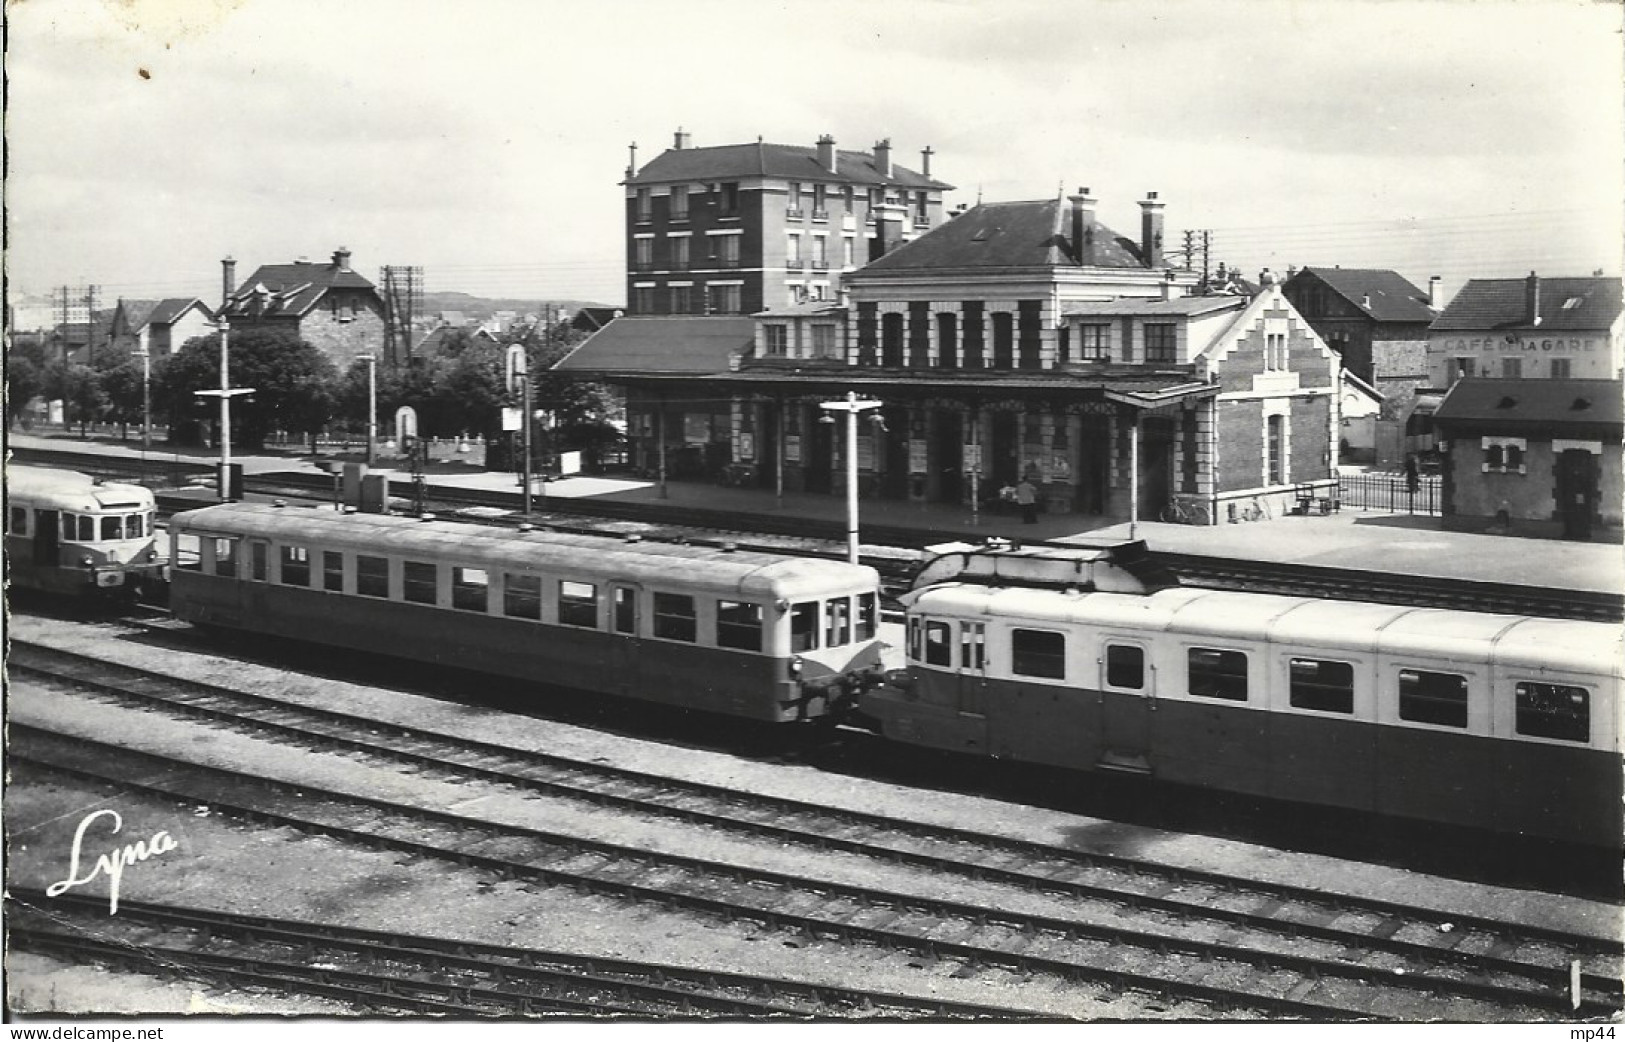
x=820 y=215
x=794 y=213
x=820 y=264
x=921 y=223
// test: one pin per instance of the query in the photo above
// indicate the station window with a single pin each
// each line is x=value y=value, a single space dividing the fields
x=17 y=521
x=225 y=557
x=1560 y=711
x=1217 y=673
x=1433 y=698
x=470 y=588
x=522 y=596
x=578 y=604
x=804 y=626
x=838 y=622
x=371 y=576
x=333 y=571
x=419 y=582
x=674 y=616
x=868 y=615
x=1321 y=685
x=1125 y=666
x=939 y=648
x=1038 y=653
x=295 y=565
x=739 y=625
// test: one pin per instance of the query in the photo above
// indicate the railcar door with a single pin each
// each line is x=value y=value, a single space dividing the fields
x=624 y=618
x=1127 y=700
x=973 y=670
x=47 y=537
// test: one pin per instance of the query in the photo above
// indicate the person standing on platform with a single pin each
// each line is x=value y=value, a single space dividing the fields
x=1027 y=499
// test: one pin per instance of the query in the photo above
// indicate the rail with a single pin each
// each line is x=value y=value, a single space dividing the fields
x=1392 y=493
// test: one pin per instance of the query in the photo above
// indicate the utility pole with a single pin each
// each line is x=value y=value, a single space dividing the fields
x=90 y=324
x=225 y=394
x=1207 y=243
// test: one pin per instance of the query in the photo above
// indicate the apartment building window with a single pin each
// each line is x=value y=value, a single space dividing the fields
x=823 y=340
x=643 y=254
x=645 y=205
x=1161 y=342
x=725 y=300
x=679 y=202
x=847 y=197
x=1095 y=342
x=775 y=341
x=820 y=202
x=820 y=252
x=795 y=199
x=1274 y=450
x=679 y=253
x=643 y=300
x=1561 y=368
x=726 y=250
x=728 y=199
x=1511 y=368
x=792 y=251
x=849 y=247
x=682 y=299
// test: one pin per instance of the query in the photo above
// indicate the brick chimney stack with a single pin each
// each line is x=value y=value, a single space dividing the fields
x=631 y=160
x=228 y=279
x=1083 y=226
x=925 y=160
x=826 y=153
x=341 y=258
x=883 y=156
x=1433 y=291
x=1531 y=296
x=682 y=139
x=1151 y=230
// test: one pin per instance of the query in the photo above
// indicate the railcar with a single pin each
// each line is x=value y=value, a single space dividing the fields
x=1497 y=722
x=742 y=633
x=69 y=534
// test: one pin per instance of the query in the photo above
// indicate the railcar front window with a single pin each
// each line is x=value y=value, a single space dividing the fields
x=868 y=615
x=804 y=626
x=1433 y=698
x=578 y=604
x=333 y=571
x=939 y=644
x=1125 y=666
x=295 y=561
x=1038 y=653
x=739 y=625
x=470 y=589
x=225 y=557
x=522 y=596
x=113 y=526
x=1217 y=673
x=1327 y=687
x=839 y=616
x=674 y=616
x=1559 y=711
x=371 y=576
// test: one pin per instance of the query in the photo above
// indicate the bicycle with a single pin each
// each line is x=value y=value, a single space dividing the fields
x=1186 y=512
x=1254 y=509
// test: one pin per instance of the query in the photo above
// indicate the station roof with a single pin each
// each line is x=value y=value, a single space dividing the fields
x=1531 y=403
x=689 y=345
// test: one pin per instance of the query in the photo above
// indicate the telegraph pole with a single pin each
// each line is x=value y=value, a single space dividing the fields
x=225 y=394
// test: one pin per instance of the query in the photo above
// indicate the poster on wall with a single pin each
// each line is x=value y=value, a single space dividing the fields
x=696 y=428
x=747 y=445
x=973 y=459
x=1059 y=468
x=916 y=456
x=792 y=448
x=866 y=453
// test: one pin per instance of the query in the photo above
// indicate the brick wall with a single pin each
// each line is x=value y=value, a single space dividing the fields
x=1240 y=445
x=1311 y=420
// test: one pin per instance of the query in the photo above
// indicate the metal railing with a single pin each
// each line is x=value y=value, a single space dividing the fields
x=1390 y=492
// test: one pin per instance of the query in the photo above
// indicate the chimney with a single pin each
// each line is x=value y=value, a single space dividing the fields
x=925 y=161
x=228 y=280
x=1151 y=230
x=883 y=157
x=1365 y=301
x=886 y=234
x=1169 y=290
x=826 y=153
x=631 y=160
x=1083 y=226
x=1433 y=291
x=681 y=139
x=341 y=258
x=1531 y=296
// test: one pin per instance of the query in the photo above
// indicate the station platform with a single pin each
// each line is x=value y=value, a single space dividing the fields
x=1353 y=539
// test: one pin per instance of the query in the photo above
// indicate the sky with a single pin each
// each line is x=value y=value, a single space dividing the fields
x=485 y=140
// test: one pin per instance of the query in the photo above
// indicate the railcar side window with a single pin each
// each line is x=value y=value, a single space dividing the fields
x=804 y=626
x=1217 y=673
x=1321 y=685
x=674 y=616
x=939 y=644
x=371 y=576
x=1125 y=666
x=625 y=601
x=225 y=557
x=295 y=561
x=739 y=625
x=258 y=553
x=418 y=582
x=1560 y=711
x=79 y=528
x=868 y=615
x=1433 y=698
x=839 y=622
x=522 y=596
x=914 y=626
x=470 y=588
x=17 y=521
x=1038 y=653
x=972 y=645
x=578 y=604
x=333 y=571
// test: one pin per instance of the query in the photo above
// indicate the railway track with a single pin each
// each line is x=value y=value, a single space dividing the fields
x=1121 y=903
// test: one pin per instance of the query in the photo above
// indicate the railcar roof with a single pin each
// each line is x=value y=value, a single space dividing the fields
x=71 y=490
x=586 y=556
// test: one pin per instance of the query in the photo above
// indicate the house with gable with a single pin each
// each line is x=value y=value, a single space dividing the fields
x=159 y=327
x=330 y=306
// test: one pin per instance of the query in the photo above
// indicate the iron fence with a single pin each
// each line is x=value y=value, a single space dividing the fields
x=1393 y=493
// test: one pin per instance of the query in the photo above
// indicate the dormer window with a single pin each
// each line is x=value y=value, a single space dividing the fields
x=1572 y=303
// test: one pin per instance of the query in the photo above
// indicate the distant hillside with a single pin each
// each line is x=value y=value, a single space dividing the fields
x=484 y=307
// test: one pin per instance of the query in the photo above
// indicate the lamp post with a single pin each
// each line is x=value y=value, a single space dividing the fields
x=372 y=405
x=225 y=394
x=852 y=405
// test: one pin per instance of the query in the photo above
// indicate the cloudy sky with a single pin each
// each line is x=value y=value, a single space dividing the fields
x=484 y=139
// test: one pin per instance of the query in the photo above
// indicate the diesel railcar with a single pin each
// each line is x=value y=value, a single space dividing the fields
x=740 y=633
x=69 y=534
x=1497 y=722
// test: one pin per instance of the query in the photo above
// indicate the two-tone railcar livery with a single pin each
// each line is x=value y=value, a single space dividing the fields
x=1496 y=722
x=742 y=633
x=69 y=534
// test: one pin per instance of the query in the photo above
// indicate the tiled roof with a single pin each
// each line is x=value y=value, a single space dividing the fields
x=167 y=311
x=1143 y=306
x=638 y=344
x=293 y=289
x=1006 y=235
x=1565 y=303
x=137 y=313
x=1392 y=297
x=779 y=162
x=1533 y=401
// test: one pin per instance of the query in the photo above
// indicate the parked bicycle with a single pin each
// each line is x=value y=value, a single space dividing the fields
x=1186 y=512
x=1254 y=509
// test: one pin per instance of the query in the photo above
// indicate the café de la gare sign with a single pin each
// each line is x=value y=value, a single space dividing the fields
x=1522 y=342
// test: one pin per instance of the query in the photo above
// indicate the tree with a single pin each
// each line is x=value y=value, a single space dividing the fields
x=82 y=398
x=122 y=387
x=293 y=382
x=25 y=381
